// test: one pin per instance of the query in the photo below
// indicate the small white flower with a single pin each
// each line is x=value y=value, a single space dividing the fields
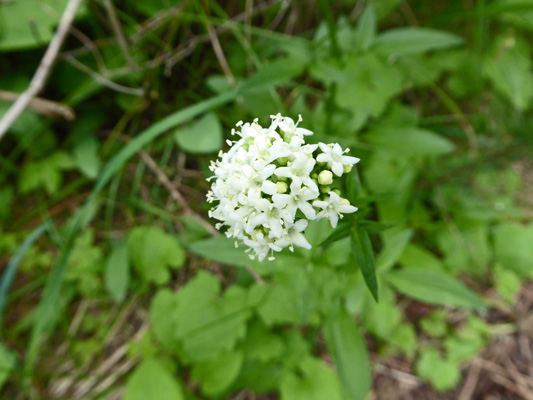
x=334 y=156
x=263 y=182
x=334 y=208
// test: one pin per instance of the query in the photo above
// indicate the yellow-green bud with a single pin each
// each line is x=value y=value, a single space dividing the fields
x=325 y=178
x=282 y=160
x=325 y=189
x=282 y=187
x=346 y=168
x=337 y=191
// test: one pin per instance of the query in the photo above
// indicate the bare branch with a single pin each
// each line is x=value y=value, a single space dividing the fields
x=41 y=75
x=41 y=106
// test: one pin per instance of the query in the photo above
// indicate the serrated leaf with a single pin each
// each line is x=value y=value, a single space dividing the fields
x=201 y=136
x=349 y=353
x=162 y=321
x=217 y=374
x=364 y=258
x=316 y=382
x=151 y=380
x=153 y=252
x=261 y=344
x=434 y=287
x=443 y=374
x=117 y=272
x=206 y=324
x=407 y=41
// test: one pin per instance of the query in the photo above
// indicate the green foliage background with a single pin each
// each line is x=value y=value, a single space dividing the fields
x=103 y=233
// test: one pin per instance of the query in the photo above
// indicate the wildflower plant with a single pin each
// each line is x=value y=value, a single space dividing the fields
x=271 y=183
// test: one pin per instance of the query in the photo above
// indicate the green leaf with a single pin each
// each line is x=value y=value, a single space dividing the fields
x=223 y=250
x=393 y=250
x=443 y=374
x=512 y=247
x=28 y=23
x=316 y=382
x=408 y=141
x=162 y=322
x=508 y=67
x=342 y=231
x=275 y=73
x=8 y=360
x=86 y=156
x=206 y=324
x=507 y=283
x=117 y=272
x=45 y=173
x=434 y=287
x=408 y=41
x=369 y=84
x=201 y=136
x=364 y=258
x=366 y=28
x=349 y=353
x=152 y=380
x=261 y=344
x=153 y=251
x=48 y=305
x=216 y=375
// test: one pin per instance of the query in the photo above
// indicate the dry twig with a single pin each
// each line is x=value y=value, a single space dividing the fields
x=42 y=106
x=41 y=75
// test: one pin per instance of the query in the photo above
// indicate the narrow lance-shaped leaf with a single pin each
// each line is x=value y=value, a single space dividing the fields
x=349 y=353
x=364 y=258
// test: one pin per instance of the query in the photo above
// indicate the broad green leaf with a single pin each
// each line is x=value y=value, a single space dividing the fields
x=513 y=247
x=364 y=258
x=388 y=311
x=366 y=28
x=28 y=23
x=275 y=73
x=206 y=323
x=117 y=272
x=408 y=41
x=162 y=321
x=349 y=353
x=86 y=156
x=46 y=173
x=508 y=67
x=435 y=324
x=217 y=374
x=153 y=251
x=261 y=344
x=315 y=382
x=8 y=360
x=433 y=287
x=223 y=250
x=507 y=283
x=201 y=136
x=152 y=380
x=408 y=141
x=443 y=374
x=417 y=257
x=369 y=84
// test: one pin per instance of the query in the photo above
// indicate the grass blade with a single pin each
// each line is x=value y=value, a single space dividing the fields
x=9 y=274
x=48 y=310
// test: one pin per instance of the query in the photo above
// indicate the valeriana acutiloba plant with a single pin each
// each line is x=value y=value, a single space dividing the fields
x=270 y=174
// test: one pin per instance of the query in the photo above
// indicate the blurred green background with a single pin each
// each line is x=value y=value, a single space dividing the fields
x=114 y=282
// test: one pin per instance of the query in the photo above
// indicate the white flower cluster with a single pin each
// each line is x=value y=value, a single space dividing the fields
x=271 y=183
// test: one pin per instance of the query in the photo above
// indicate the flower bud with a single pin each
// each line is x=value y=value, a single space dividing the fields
x=282 y=187
x=325 y=189
x=346 y=168
x=325 y=178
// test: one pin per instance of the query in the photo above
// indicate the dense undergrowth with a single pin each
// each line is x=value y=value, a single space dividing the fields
x=114 y=281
